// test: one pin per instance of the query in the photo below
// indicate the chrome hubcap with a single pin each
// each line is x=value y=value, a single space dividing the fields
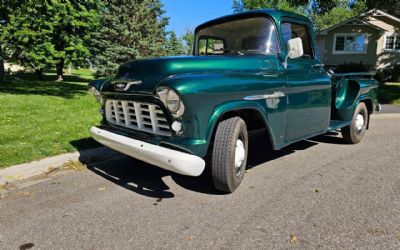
x=240 y=155
x=360 y=122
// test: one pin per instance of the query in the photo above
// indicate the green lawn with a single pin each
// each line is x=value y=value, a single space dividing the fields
x=389 y=93
x=45 y=118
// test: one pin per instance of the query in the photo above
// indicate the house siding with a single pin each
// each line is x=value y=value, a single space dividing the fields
x=375 y=57
x=386 y=58
x=369 y=58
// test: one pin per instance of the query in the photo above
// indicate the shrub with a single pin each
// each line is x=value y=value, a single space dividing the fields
x=351 y=67
x=381 y=76
x=395 y=73
x=389 y=74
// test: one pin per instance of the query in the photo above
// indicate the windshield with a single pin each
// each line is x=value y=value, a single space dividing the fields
x=255 y=35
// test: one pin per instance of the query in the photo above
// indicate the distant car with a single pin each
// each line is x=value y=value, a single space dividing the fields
x=249 y=71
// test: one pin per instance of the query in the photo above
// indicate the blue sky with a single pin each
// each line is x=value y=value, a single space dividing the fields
x=187 y=14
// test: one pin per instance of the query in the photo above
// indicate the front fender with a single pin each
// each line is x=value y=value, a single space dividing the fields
x=97 y=84
x=207 y=97
x=239 y=106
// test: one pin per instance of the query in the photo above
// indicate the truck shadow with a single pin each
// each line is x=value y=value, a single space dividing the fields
x=134 y=175
x=147 y=180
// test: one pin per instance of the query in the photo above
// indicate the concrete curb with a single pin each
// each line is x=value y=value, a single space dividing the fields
x=40 y=167
x=381 y=116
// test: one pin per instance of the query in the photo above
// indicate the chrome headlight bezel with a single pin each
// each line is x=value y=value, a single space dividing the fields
x=97 y=95
x=171 y=100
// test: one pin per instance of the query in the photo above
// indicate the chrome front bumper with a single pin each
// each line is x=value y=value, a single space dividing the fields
x=172 y=160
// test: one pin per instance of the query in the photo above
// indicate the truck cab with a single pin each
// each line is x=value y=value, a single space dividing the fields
x=249 y=71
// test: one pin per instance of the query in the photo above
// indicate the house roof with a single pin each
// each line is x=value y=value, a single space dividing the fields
x=376 y=12
x=359 y=21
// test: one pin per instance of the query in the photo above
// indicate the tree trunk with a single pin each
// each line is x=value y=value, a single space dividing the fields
x=39 y=73
x=60 y=70
x=2 y=73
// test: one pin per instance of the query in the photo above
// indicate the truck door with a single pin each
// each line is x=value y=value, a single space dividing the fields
x=308 y=87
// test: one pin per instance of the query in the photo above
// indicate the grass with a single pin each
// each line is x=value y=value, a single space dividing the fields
x=389 y=93
x=45 y=118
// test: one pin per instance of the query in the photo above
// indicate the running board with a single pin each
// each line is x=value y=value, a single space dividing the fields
x=338 y=124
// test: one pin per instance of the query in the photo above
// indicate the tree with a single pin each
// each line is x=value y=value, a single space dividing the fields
x=299 y=6
x=4 y=4
x=135 y=29
x=2 y=73
x=320 y=7
x=345 y=10
x=324 y=13
x=47 y=33
x=288 y=5
x=174 y=45
x=188 y=39
x=388 y=6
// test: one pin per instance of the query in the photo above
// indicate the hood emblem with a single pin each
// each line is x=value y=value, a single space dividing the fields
x=125 y=85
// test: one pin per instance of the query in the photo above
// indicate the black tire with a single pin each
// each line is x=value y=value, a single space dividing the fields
x=225 y=175
x=353 y=134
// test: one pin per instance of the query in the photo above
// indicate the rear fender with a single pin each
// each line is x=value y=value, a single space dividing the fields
x=350 y=93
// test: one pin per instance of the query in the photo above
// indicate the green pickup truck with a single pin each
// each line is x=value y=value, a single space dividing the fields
x=257 y=70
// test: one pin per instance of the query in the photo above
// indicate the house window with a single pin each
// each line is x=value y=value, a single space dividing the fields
x=350 y=44
x=392 y=42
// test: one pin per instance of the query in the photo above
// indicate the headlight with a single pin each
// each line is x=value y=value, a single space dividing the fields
x=171 y=100
x=96 y=94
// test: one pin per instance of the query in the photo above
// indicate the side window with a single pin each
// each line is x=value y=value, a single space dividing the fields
x=211 y=46
x=293 y=30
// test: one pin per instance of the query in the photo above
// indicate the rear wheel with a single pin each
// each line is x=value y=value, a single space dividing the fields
x=229 y=157
x=355 y=131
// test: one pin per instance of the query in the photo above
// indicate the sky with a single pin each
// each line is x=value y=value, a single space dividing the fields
x=188 y=14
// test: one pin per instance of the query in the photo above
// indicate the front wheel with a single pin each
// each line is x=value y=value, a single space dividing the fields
x=355 y=131
x=229 y=157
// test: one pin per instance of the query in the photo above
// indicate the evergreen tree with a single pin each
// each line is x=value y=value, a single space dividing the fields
x=129 y=30
x=174 y=45
x=188 y=39
x=45 y=33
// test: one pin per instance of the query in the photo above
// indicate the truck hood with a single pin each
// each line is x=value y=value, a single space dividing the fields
x=148 y=73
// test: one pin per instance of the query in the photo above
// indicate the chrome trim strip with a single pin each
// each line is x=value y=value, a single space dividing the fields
x=276 y=94
x=122 y=85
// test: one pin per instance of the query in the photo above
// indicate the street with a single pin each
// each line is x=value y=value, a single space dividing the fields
x=319 y=193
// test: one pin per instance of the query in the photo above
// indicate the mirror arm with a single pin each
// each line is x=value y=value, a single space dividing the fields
x=285 y=63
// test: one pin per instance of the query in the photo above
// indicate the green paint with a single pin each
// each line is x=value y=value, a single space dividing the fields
x=299 y=101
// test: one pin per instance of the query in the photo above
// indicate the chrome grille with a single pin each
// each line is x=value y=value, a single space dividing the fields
x=140 y=116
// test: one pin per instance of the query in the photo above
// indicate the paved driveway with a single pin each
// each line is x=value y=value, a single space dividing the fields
x=319 y=193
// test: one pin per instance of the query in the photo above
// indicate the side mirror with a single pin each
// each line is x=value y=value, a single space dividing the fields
x=295 y=49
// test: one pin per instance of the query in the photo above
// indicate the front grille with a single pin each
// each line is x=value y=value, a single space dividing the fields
x=138 y=116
